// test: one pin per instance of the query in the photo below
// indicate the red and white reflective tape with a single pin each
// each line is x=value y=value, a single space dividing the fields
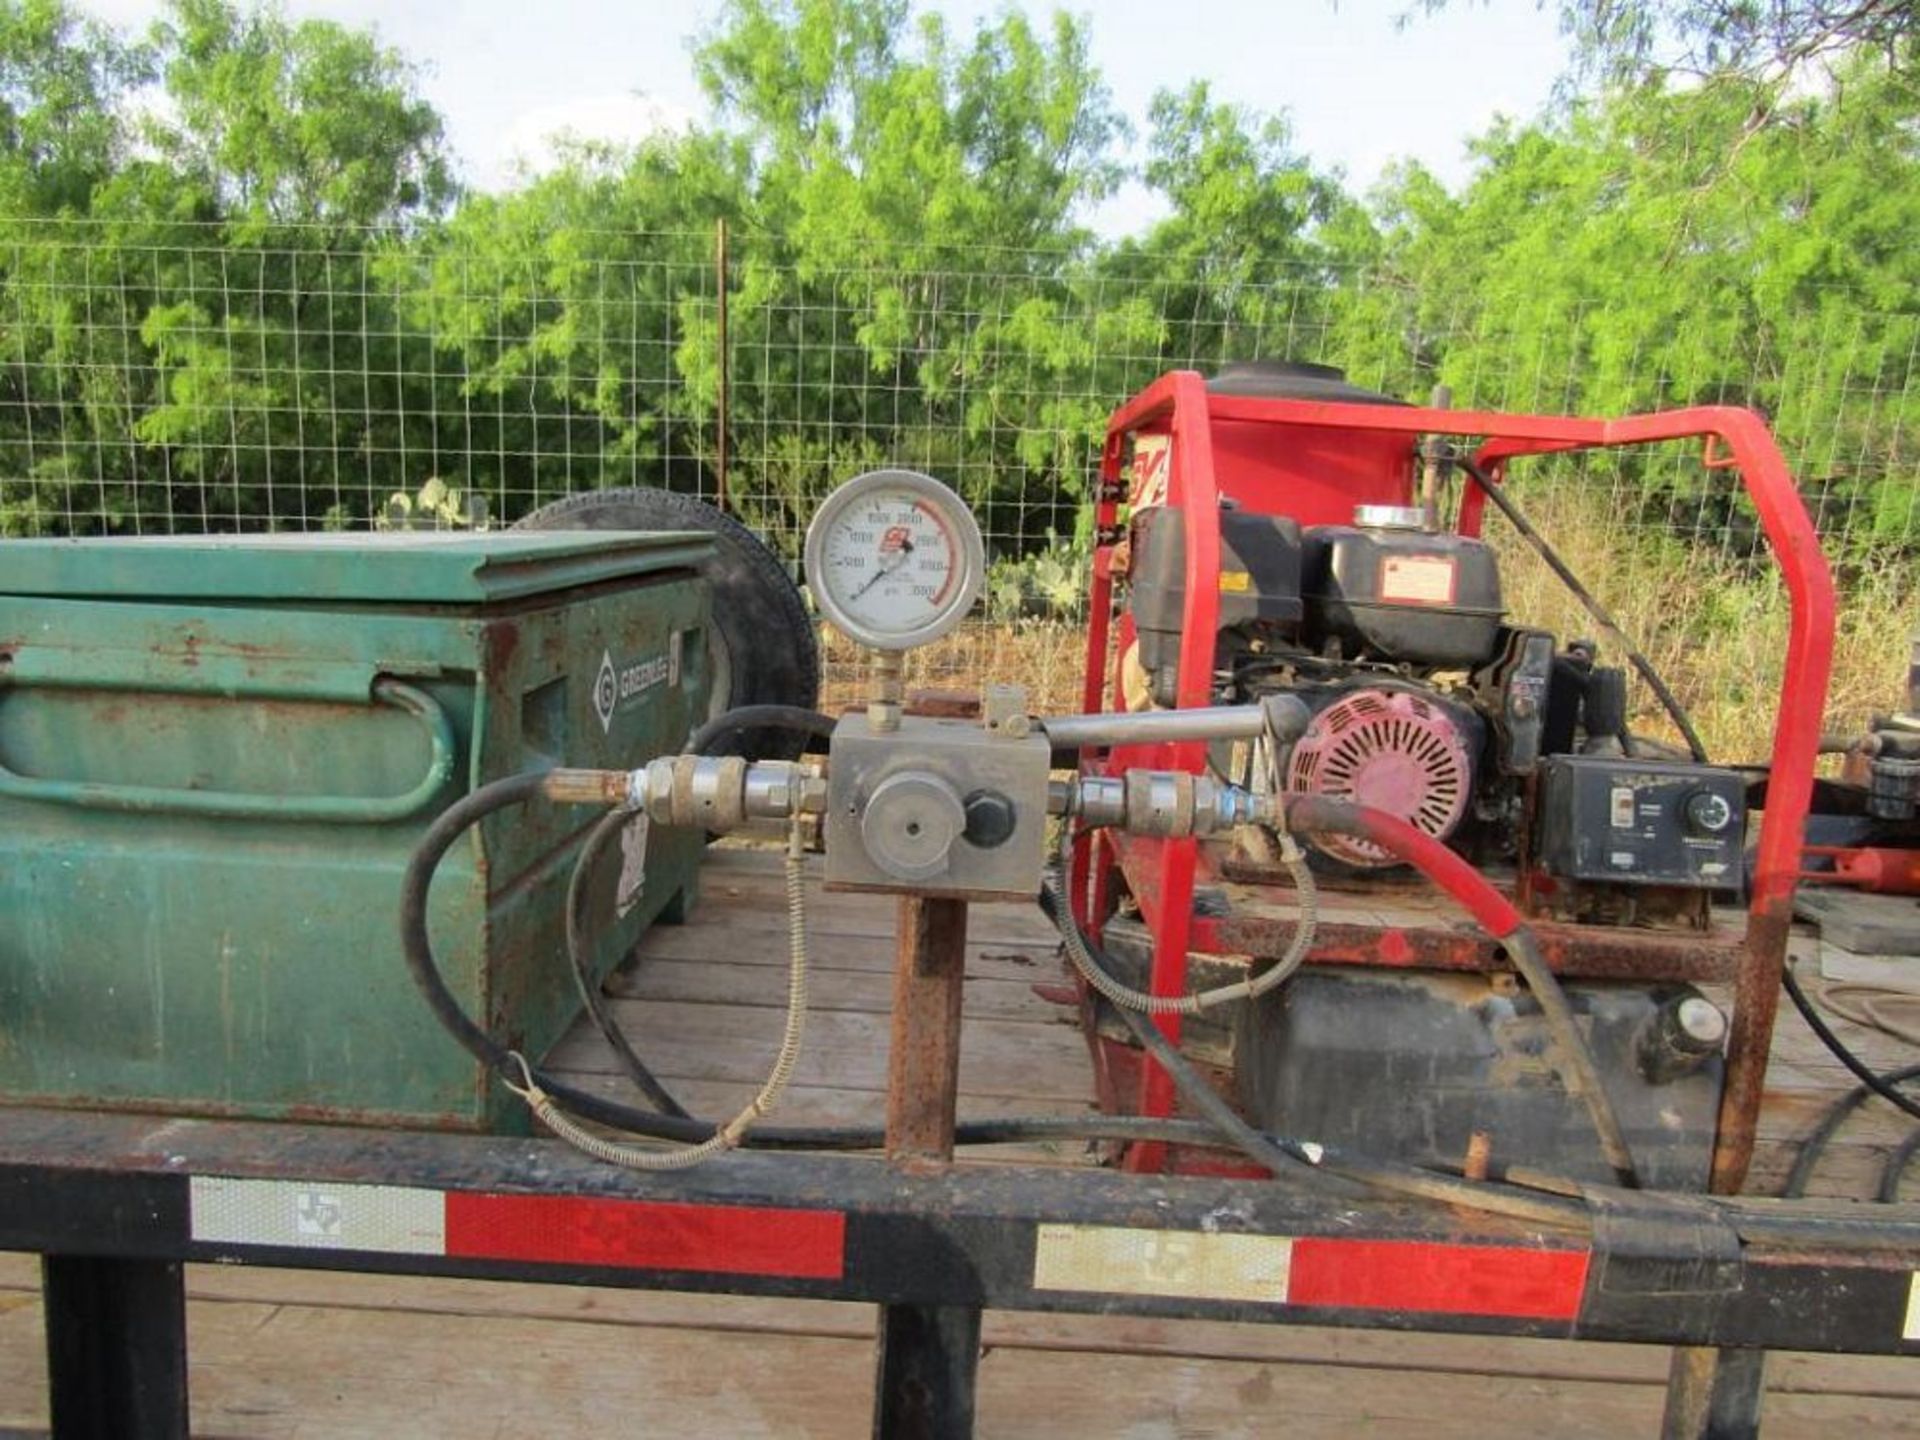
x=539 y=1229
x=1323 y=1271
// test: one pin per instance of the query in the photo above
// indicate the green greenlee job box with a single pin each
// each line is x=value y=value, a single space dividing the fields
x=216 y=755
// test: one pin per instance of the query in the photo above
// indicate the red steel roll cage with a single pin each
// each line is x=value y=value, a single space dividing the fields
x=1161 y=874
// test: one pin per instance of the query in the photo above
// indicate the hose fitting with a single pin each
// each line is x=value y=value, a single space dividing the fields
x=723 y=792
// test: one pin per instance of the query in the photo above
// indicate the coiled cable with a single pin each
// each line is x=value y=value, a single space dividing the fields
x=1125 y=997
x=612 y=824
x=728 y=1136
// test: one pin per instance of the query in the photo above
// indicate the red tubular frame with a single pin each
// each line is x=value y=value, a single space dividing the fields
x=1161 y=874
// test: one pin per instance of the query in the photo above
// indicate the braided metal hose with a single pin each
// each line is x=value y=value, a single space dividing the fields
x=729 y=1135
x=1252 y=988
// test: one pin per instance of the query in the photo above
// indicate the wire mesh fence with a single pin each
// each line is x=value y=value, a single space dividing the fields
x=189 y=379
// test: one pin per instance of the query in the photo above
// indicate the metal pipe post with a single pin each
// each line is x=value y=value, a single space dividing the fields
x=1714 y=1394
x=923 y=1066
x=928 y=1356
x=116 y=1347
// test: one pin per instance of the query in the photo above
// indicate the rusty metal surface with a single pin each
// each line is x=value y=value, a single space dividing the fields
x=923 y=1064
x=1576 y=952
x=1407 y=924
x=1756 y=1000
x=181 y=961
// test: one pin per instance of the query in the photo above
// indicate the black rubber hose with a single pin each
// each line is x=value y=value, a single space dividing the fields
x=811 y=723
x=1840 y=1052
x=1897 y=1167
x=797 y=718
x=417 y=947
x=1495 y=914
x=1804 y=1163
x=1515 y=517
x=1287 y=1157
x=603 y=833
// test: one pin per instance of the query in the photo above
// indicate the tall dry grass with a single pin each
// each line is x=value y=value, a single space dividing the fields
x=1714 y=627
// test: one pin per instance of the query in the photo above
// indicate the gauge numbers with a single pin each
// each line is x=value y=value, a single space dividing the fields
x=894 y=558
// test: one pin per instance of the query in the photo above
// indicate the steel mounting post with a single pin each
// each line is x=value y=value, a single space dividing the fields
x=1714 y=1394
x=927 y=1356
x=116 y=1347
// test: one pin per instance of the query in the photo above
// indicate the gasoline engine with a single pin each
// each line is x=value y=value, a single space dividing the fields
x=1425 y=703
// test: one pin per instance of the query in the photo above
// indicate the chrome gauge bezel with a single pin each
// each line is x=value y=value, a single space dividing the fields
x=951 y=512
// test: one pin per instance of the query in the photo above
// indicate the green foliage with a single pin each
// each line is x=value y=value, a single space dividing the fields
x=1050 y=582
x=435 y=506
x=277 y=314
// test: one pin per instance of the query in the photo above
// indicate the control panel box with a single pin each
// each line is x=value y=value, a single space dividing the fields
x=1640 y=822
x=937 y=807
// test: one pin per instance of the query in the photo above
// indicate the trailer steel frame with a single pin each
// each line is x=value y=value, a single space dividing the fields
x=117 y=1203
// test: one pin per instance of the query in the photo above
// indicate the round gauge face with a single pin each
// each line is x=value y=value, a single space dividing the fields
x=894 y=559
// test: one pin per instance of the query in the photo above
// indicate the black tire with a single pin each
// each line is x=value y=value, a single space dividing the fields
x=761 y=639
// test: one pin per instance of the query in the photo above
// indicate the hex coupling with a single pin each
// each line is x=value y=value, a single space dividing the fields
x=1164 y=803
x=723 y=792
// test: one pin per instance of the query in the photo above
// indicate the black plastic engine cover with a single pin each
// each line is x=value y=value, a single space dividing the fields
x=1259 y=582
x=1402 y=595
x=1409 y=1064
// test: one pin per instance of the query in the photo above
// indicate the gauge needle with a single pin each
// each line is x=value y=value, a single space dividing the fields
x=888 y=564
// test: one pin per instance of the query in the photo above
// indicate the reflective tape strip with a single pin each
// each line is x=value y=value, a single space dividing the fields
x=1911 y=1331
x=1434 y=1279
x=1402 y=1275
x=318 y=1215
x=1185 y=1264
x=648 y=1235
x=539 y=1229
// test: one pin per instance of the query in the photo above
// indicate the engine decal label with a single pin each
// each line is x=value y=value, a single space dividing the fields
x=1183 y=1264
x=1419 y=579
x=538 y=1229
x=1152 y=457
x=1403 y=1275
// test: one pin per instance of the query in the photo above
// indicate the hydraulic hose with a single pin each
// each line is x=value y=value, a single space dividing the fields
x=1287 y=1157
x=1670 y=702
x=797 y=718
x=1496 y=914
x=729 y=1135
x=422 y=966
x=1846 y=1057
x=613 y=823
x=1896 y=1167
x=1812 y=1147
x=1124 y=997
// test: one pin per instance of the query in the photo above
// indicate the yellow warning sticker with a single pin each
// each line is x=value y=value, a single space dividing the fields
x=1235 y=582
x=1184 y=1264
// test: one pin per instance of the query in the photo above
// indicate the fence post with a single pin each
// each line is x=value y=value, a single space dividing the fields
x=726 y=362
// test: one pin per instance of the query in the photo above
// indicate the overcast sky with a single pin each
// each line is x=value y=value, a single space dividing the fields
x=1360 y=93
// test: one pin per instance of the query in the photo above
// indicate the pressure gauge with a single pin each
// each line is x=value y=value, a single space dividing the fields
x=895 y=559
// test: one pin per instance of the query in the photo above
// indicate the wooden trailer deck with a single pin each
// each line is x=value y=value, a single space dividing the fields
x=302 y=1353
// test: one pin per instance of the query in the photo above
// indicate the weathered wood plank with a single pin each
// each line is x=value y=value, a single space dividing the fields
x=718 y=947
x=1009 y=1058
x=272 y=1370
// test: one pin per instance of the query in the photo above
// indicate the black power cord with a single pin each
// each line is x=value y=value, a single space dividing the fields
x=1846 y=1057
x=1670 y=702
x=813 y=724
x=580 y=959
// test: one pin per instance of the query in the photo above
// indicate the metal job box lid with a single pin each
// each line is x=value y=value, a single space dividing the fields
x=400 y=567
